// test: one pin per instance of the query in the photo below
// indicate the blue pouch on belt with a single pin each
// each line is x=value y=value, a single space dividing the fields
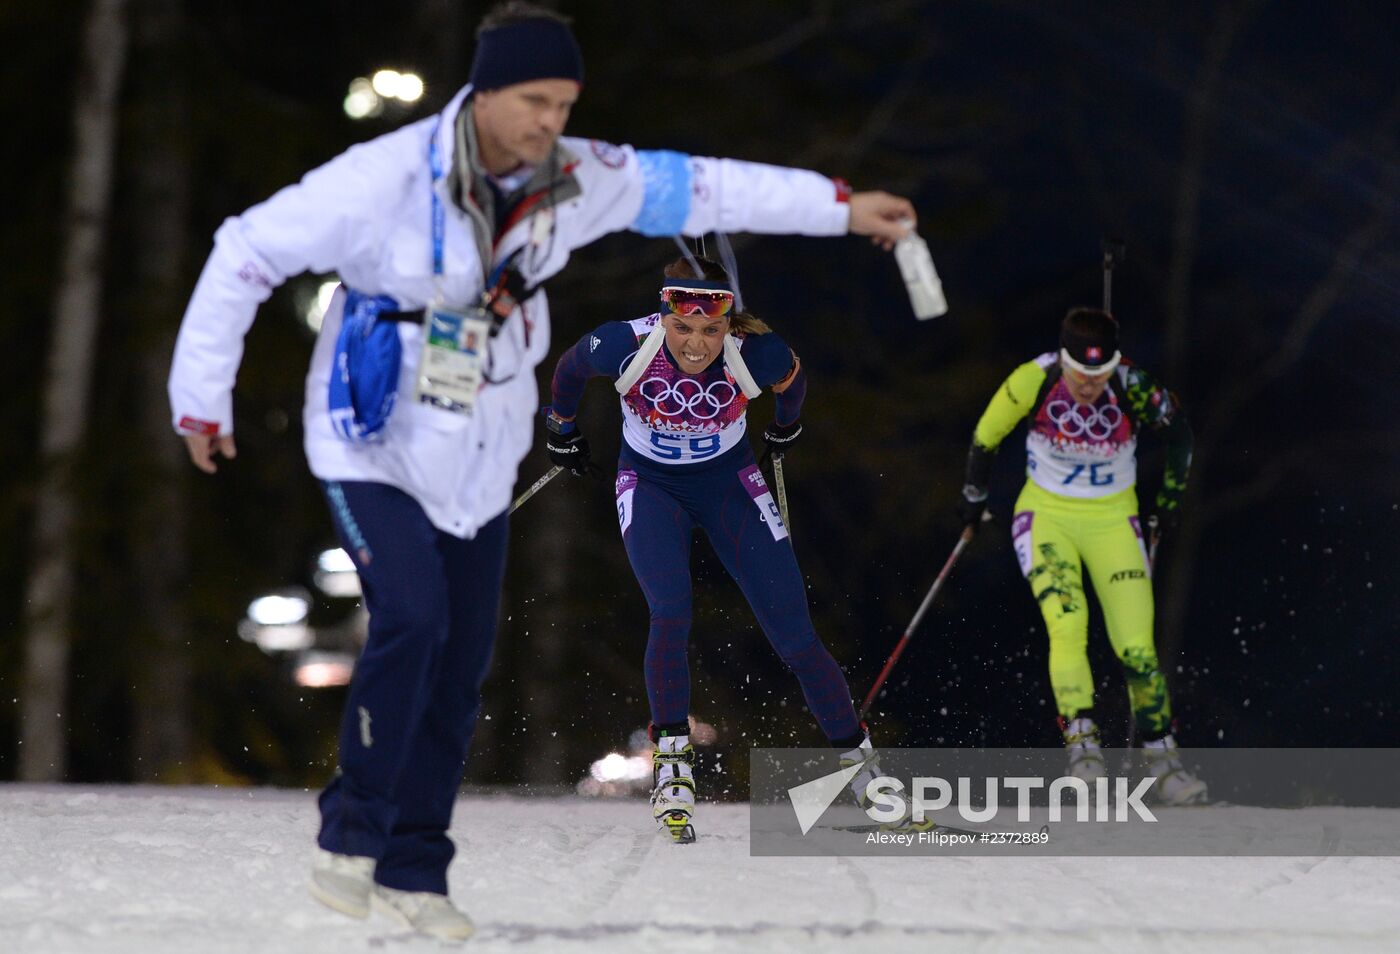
x=365 y=375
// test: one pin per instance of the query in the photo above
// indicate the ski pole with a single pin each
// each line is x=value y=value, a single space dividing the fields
x=963 y=540
x=536 y=487
x=1154 y=537
x=1114 y=252
x=781 y=488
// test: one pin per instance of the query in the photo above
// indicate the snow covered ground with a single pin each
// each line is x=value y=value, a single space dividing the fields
x=119 y=870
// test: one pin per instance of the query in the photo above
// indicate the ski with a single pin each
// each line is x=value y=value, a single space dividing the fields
x=926 y=826
x=1204 y=801
x=903 y=827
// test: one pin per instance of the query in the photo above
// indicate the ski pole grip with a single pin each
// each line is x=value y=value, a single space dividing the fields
x=971 y=528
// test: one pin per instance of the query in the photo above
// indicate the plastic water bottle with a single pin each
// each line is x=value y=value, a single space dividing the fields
x=920 y=277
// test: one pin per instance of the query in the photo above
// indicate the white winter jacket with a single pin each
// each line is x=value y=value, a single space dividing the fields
x=367 y=215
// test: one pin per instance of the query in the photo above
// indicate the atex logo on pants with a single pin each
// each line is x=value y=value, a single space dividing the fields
x=890 y=802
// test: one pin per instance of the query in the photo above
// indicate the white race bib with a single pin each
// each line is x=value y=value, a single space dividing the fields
x=768 y=510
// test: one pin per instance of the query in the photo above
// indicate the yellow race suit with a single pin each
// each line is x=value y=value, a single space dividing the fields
x=1079 y=509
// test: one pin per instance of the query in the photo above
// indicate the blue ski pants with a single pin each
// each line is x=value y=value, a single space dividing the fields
x=659 y=508
x=432 y=600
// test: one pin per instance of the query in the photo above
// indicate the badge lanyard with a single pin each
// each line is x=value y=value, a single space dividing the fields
x=455 y=340
x=439 y=213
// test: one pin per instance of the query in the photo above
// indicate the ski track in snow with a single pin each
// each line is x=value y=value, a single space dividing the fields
x=143 y=870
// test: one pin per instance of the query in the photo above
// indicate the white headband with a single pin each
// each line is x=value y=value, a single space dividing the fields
x=671 y=286
x=1092 y=371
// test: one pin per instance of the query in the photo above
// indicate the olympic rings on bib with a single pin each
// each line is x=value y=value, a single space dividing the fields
x=1083 y=420
x=687 y=396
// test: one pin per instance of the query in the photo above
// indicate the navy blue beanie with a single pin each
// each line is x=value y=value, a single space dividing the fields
x=526 y=50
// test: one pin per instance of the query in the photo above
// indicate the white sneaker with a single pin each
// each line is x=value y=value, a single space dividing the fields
x=1084 y=749
x=1175 y=785
x=425 y=912
x=342 y=882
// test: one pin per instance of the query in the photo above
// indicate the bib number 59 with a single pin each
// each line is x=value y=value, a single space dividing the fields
x=674 y=448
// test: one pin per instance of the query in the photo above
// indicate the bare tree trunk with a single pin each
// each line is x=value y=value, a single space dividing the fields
x=1202 y=109
x=43 y=751
x=448 y=23
x=1213 y=430
x=1236 y=400
x=163 y=731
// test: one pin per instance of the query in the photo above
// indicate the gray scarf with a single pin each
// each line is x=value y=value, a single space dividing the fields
x=470 y=189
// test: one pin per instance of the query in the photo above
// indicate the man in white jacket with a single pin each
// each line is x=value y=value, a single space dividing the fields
x=417 y=437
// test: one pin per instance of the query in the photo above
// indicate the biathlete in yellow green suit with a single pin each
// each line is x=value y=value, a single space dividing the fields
x=1085 y=405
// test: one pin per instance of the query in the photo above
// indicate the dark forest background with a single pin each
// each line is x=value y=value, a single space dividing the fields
x=1246 y=151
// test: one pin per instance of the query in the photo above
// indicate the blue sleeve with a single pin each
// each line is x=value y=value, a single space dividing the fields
x=770 y=360
x=768 y=357
x=598 y=353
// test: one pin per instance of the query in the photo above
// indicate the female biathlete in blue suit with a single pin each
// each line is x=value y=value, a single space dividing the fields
x=685 y=377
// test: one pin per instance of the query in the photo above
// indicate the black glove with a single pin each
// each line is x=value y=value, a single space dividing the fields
x=778 y=438
x=567 y=446
x=972 y=505
x=1164 y=519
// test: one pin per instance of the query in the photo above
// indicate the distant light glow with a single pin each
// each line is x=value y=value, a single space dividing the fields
x=315 y=313
x=702 y=733
x=616 y=767
x=336 y=575
x=277 y=623
x=335 y=561
x=391 y=84
x=368 y=97
x=386 y=83
x=278 y=610
x=362 y=102
x=323 y=670
x=285 y=638
x=410 y=87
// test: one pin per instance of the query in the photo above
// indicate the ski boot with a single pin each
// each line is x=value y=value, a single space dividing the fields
x=1084 y=749
x=866 y=760
x=862 y=754
x=673 y=794
x=1175 y=785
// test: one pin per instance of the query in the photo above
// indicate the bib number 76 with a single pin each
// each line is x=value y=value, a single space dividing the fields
x=1096 y=479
